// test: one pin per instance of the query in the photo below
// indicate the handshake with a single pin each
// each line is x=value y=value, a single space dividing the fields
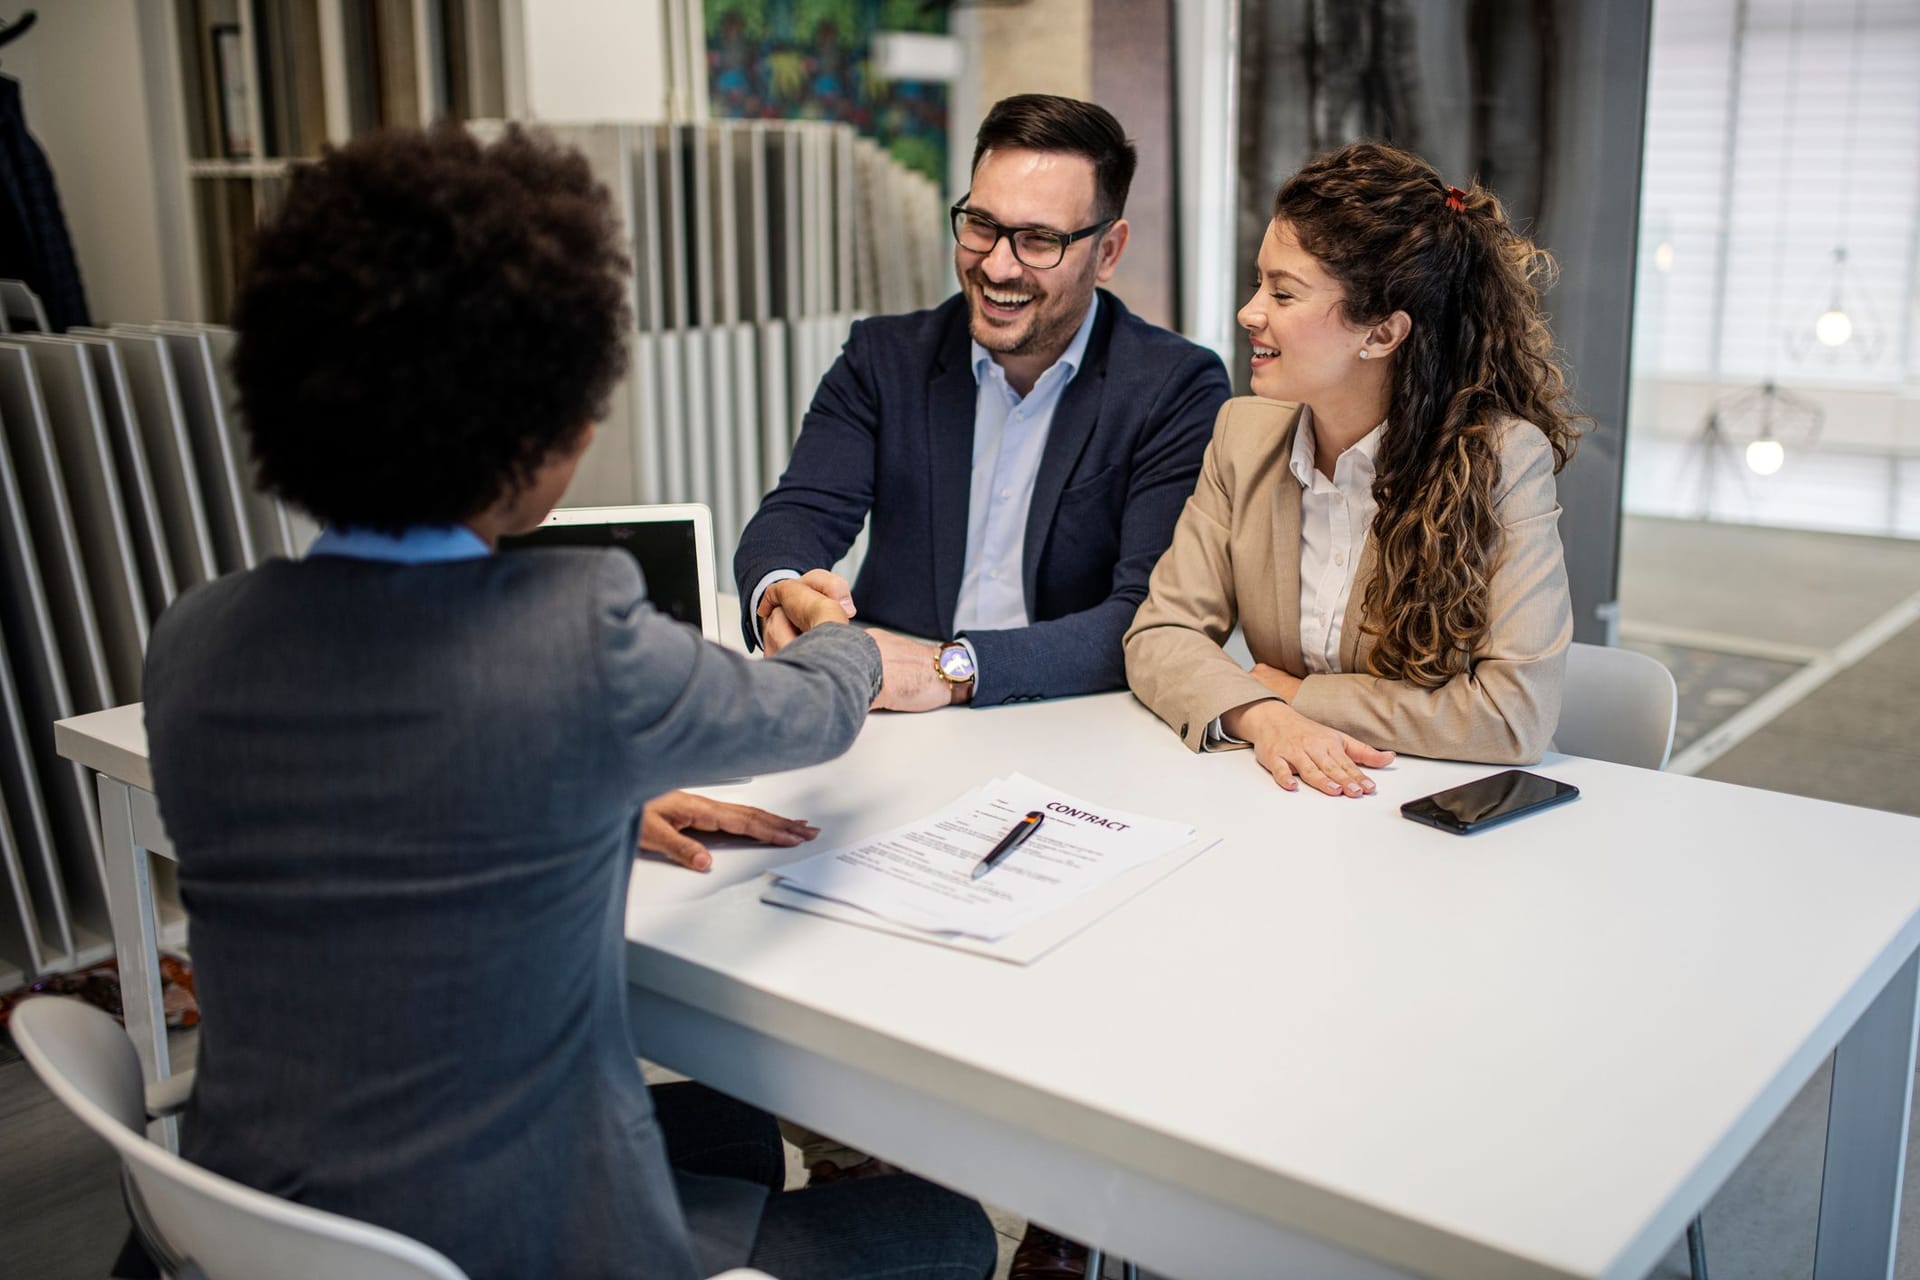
x=793 y=606
x=912 y=682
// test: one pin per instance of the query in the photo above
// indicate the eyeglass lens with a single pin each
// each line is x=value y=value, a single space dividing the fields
x=1032 y=247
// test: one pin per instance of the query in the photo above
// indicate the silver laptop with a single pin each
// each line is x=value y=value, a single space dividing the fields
x=673 y=544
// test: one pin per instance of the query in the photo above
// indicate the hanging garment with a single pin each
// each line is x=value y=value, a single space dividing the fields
x=34 y=245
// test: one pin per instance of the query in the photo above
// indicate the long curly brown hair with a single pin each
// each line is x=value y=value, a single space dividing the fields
x=1384 y=224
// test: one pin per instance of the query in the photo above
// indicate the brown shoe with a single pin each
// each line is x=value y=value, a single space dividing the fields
x=1043 y=1255
x=825 y=1171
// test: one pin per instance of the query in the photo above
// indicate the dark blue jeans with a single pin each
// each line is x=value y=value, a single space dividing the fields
x=893 y=1228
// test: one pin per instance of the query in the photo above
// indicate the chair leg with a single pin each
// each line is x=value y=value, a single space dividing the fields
x=1697 y=1249
x=1130 y=1270
x=1095 y=1261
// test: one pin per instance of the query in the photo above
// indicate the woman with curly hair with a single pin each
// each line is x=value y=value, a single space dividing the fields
x=405 y=776
x=1379 y=516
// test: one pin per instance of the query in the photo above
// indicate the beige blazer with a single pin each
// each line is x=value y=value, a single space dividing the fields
x=1235 y=557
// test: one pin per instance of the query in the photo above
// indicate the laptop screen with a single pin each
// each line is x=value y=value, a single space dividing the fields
x=666 y=549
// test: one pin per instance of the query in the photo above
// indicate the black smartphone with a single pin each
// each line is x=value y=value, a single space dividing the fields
x=1488 y=802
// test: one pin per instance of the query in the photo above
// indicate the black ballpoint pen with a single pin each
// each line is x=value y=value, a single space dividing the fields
x=1009 y=842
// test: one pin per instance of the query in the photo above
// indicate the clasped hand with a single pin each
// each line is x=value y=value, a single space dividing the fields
x=911 y=681
x=1295 y=749
x=793 y=606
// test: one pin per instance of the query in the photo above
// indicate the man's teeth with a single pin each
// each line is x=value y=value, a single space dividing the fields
x=1007 y=299
x=1262 y=352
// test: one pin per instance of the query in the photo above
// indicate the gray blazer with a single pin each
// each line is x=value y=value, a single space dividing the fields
x=405 y=800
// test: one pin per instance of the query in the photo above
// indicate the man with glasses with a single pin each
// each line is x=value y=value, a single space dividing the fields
x=1023 y=449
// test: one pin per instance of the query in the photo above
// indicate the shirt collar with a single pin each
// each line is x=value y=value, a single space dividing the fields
x=1362 y=451
x=421 y=544
x=1069 y=359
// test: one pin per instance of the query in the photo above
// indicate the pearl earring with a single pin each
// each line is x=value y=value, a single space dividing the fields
x=1363 y=353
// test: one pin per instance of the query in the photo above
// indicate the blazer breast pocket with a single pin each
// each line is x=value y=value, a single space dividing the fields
x=1082 y=545
x=1098 y=487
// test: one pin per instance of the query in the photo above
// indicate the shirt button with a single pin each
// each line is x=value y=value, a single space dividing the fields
x=1006 y=493
x=1340 y=559
x=994 y=574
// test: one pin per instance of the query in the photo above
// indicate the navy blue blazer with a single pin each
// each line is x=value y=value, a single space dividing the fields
x=890 y=431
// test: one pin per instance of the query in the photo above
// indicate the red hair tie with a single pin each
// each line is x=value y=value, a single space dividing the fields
x=1456 y=199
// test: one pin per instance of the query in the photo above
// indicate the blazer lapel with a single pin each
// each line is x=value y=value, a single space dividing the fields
x=951 y=398
x=1074 y=421
x=1351 y=629
x=1286 y=557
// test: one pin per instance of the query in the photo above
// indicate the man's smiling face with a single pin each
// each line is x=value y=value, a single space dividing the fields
x=1014 y=309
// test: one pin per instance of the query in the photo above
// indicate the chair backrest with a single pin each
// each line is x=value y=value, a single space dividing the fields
x=225 y=1230
x=1618 y=705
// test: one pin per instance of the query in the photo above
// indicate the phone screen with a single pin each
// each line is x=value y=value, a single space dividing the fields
x=1485 y=802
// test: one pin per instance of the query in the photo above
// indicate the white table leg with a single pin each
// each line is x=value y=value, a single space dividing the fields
x=1867 y=1135
x=136 y=941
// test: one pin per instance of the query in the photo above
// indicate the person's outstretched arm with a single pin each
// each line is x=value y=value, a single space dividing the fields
x=686 y=711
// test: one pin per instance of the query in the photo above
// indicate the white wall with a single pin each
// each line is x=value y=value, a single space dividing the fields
x=593 y=60
x=83 y=74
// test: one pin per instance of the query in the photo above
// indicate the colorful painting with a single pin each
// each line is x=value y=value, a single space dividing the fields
x=807 y=60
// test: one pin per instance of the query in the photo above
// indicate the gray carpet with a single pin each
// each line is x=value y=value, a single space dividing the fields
x=1855 y=740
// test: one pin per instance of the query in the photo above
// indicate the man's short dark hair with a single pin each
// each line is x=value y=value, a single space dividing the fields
x=1047 y=122
x=426 y=321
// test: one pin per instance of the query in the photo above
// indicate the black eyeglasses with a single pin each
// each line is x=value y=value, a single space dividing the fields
x=1035 y=247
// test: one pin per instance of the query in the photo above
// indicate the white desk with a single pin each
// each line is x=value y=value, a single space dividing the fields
x=1337 y=1045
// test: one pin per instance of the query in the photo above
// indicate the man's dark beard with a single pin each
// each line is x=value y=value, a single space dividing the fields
x=1048 y=335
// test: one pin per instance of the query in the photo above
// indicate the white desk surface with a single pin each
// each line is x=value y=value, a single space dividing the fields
x=113 y=742
x=1530 y=1052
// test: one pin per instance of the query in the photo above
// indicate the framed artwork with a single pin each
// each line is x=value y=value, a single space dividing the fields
x=234 y=92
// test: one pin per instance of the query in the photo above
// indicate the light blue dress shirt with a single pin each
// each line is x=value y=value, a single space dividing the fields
x=1009 y=437
x=422 y=544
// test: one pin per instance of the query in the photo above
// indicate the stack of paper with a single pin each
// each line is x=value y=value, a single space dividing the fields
x=921 y=875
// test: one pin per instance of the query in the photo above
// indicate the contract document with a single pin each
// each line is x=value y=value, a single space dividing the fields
x=921 y=875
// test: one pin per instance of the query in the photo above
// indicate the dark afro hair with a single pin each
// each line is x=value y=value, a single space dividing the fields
x=425 y=321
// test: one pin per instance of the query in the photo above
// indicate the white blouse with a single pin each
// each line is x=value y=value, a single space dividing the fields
x=1334 y=518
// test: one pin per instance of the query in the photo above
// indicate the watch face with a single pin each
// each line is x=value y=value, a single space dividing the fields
x=956 y=663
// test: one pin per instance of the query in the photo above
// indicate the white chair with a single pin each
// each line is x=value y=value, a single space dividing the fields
x=1621 y=706
x=198 y=1225
x=1618 y=705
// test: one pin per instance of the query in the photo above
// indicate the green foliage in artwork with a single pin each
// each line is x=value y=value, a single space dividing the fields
x=809 y=60
x=810 y=15
x=755 y=25
x=912 y=15
x=919 y=154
